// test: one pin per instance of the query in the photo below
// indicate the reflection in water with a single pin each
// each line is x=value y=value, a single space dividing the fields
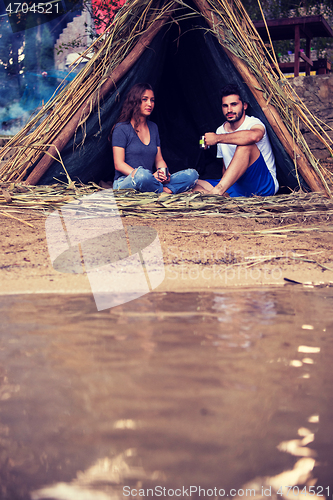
x=106 y=472
x=298 y=446
x=212 y=390
x=284 y=485
x=313 y=419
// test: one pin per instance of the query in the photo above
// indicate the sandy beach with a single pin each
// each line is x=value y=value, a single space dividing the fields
x=199 y=253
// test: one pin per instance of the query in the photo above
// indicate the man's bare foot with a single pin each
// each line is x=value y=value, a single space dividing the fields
x=199 y=189
x=202 y=186
x=225 y=194
x=167 y=190
x=217 y=190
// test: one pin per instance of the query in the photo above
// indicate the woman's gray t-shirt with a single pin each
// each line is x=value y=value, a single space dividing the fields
x=137 y=154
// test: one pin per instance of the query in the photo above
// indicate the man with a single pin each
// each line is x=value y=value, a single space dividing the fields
x=248 y=161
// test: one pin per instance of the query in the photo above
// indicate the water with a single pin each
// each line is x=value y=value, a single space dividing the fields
x=228 y=390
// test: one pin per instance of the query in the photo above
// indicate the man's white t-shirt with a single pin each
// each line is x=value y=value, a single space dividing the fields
x=227 y=151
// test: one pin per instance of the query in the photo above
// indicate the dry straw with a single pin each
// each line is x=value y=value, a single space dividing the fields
x=17 y=199
x=132 y=21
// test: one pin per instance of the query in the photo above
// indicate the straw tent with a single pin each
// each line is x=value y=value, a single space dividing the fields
x=187 y=50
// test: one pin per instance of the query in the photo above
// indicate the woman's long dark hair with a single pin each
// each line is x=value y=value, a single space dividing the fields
x=131 y=106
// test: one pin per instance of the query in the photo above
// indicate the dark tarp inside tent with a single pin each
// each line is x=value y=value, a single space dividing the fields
x=187 y=67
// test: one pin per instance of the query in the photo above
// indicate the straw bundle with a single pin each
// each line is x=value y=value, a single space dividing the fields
x=131 y=22
x=17 y=198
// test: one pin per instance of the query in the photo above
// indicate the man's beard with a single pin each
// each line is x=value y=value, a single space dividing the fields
x=235 y=118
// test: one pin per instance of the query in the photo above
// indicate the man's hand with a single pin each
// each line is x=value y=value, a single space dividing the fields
x=219 y=190
x=211 y=139
x=237 y=138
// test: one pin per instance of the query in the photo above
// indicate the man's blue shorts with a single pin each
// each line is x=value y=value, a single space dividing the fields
x=257 y=180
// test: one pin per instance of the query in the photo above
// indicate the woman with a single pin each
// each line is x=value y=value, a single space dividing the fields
x=136 y=148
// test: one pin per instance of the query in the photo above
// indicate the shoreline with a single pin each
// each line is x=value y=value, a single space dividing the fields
x=205 y=254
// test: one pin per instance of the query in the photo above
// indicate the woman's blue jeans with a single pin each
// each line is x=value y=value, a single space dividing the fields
x=144 y=181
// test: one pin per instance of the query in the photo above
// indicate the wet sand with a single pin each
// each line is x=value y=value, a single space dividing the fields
x=203 y=253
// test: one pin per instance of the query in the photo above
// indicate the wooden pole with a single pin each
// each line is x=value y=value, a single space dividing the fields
x=272 y=115
x=68 y=131
x=308 y=55
x=297 y=46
